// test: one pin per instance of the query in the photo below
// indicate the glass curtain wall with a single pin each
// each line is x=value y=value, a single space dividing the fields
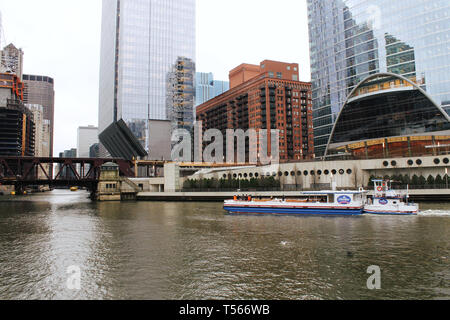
x=353 y=39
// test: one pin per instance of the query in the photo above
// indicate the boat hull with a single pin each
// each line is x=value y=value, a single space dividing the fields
x=393 y=210
x=390 y=213
x=293 y=211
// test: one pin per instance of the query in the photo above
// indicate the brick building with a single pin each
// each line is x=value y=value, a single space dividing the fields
x=268 y=96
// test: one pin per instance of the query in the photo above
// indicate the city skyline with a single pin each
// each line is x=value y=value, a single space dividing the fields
x=81 y=43
x=352 y=40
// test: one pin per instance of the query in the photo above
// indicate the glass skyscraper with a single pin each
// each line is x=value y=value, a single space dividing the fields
x=141 y=42
x=351 y=40
x=207 y=88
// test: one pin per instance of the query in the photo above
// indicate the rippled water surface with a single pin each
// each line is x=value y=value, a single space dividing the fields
x=146 y=250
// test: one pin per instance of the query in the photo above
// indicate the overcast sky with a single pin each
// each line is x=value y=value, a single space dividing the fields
x=61 y=39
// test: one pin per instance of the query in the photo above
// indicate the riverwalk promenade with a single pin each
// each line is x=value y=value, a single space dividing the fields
x=435 y=195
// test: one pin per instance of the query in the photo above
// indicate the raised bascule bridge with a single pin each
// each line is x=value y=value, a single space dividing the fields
x=91 y=174
x=24 y=172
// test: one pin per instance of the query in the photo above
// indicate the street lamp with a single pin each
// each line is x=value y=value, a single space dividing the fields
x=446 y=177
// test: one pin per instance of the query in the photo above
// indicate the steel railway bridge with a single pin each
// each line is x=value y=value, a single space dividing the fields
x=22 y=172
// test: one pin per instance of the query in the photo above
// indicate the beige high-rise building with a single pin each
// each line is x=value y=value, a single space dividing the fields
x=41 y=135
x=40 y=90
x=11 y=60
x=42 y=131
x=46 y=134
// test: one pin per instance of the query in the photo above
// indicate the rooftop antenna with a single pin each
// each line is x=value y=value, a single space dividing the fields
x=2 y=33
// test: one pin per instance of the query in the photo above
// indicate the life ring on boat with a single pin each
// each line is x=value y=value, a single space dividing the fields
x=379 y=189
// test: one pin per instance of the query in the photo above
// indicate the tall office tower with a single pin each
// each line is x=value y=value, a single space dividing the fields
x=42 y=131
x=181 y=95
x=352 y=40
x=86 y=137
x=11 y=60
x=67 y=172
x=141 y=42
x=207 y=88
x=41 y=135
x=94 y=151
x=40 y=90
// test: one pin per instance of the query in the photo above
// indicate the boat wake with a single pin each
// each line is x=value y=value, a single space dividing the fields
x=434 y=213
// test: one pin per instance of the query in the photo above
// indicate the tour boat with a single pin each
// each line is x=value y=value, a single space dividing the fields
x=388 y=202
x=309 y=203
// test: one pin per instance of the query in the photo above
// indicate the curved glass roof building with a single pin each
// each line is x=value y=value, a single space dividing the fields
x=389 y=115
x=351 y=40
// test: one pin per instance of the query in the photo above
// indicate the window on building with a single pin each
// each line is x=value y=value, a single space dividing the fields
x=271 y=75
x=294 y=77
x=279 y=75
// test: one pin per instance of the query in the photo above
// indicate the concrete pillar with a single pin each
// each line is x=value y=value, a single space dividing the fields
x=171 y=177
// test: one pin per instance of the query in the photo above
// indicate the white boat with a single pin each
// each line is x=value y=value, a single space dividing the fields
x=307 y=203
x=388 y=202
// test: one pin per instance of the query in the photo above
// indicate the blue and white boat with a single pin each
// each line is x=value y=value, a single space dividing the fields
x=388 y=202
x=348 y=203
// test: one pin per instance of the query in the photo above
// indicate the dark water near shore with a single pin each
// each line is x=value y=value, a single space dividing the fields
x=145 y=250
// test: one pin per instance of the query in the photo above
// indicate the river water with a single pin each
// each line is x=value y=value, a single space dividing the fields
x=146 y=250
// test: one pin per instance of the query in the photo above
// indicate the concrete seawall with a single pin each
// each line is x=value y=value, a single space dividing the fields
x=415 y=195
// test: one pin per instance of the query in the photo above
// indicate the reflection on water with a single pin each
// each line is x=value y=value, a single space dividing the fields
x=146 y=250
